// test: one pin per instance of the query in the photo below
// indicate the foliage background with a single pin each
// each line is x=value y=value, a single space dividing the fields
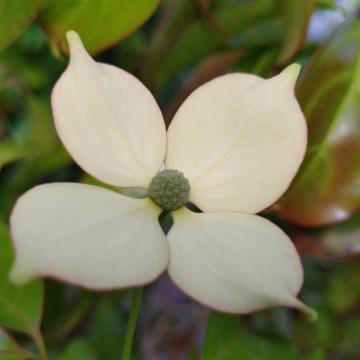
x=173 y=47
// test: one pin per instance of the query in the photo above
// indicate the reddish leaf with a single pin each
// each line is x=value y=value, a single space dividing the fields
x=327 y=187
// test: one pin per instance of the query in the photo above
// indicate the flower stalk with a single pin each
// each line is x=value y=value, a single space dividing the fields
x=131 y=327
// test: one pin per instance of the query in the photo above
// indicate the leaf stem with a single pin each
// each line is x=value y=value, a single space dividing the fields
x=40 y=344
x=133 y=316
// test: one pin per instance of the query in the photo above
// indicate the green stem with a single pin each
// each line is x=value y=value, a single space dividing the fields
x=130 y=331
x=40 y=344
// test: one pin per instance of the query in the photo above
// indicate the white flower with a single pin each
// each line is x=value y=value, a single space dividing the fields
x=238 y=140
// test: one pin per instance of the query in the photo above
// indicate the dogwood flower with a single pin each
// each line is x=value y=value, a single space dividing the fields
x=232 y=149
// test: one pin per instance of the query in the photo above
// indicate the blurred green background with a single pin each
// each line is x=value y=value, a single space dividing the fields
x=174 y=46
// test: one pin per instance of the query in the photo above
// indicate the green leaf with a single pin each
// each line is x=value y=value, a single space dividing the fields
x=318 y=354
x=326 y=189
x=43 y=135
x=343 y=292
x=13 y=355
x=226 y=340
x=79 y=349
x=176 y=17
x=259 y=63
x=75 y=314
x=106 y=329
x=197 y=40
x=30 y=62
x=326 y=332
x=6 y=343
x=15 y=17
x=28 y=173
x=296 y=15
x=11 y=151
x=100 y=23
x=42 y=139
x=331 y=4
x=10 y=350
x=20 y=307
x=221 y=331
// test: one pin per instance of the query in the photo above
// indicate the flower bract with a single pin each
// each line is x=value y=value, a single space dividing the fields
x=237 y=142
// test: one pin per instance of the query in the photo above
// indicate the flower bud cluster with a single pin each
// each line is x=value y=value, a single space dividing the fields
x=169 y=189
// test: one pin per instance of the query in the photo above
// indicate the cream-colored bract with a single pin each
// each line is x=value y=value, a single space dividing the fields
x=239 y=139
x=108 y=120
x=87 y=235
x=233 y=260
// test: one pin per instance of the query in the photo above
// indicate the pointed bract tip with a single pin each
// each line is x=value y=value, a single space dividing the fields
x=75 y=43
x=293 y=70
x=310 y=313
x=72 y=36
x=291 y=73
x=307 y=310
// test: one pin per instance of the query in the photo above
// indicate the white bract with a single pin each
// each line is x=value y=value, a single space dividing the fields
x=238 y=140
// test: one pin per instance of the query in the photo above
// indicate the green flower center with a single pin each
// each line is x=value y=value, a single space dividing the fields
x=169 y=189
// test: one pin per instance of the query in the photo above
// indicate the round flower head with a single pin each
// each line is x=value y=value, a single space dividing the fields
x=232 y=149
